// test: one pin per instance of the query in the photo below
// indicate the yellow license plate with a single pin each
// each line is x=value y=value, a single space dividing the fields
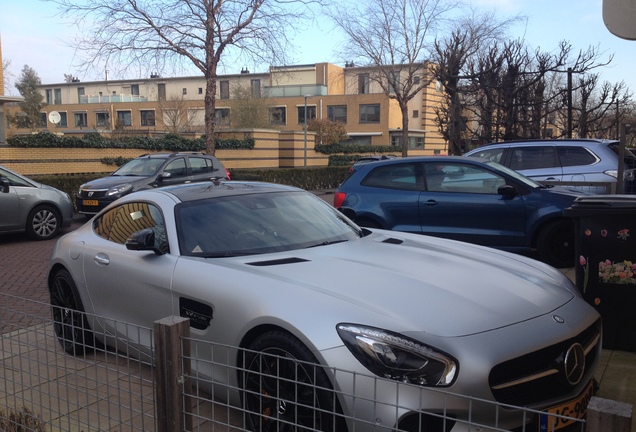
x=91 y=202
x=575 y=409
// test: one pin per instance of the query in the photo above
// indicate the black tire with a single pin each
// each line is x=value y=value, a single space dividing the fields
x=43 y=223
x=555 y=244
x=284 y=390
x=69 y=321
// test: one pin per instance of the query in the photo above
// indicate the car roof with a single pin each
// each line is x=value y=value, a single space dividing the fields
x=592 y=142
x=427 y=159
x=214 y=189
x=168 y=155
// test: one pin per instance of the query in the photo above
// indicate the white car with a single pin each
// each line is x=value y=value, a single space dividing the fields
x=280 y=273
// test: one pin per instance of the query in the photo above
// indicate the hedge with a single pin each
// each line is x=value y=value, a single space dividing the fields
x=304 y=178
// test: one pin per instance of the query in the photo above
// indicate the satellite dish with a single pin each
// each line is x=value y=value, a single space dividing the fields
x=619 y=16
x=55 y=117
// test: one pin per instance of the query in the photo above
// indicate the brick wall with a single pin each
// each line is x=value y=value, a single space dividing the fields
x=273 y=149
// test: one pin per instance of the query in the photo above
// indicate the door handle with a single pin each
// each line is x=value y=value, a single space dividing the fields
x=430 y=203
x=102 y=259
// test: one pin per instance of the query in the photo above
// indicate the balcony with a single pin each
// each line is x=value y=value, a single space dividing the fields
x=93 y=99
x=294 y=90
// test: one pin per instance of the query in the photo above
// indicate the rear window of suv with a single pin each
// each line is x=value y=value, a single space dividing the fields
x=574 y=156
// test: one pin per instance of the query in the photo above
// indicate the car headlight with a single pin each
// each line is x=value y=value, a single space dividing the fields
x=391 y=355
x=119 y=190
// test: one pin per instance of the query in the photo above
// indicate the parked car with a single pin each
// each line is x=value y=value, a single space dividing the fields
x=148 y=171
x=28 y=206
x=274 y=277
x=564 y=160
x=367 y=159
x=465 y=199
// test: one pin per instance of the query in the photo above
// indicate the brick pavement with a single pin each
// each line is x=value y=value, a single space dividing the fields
x=23 y=267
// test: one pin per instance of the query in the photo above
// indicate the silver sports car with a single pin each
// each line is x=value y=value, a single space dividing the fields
x=276 y=270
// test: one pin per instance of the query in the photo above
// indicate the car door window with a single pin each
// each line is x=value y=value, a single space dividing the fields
x=394 y=176
x=493 y=155
x=118 y=224
x=525 y=158
x=575 y=156
x=461 y=178
x=200 y=165
x=176 y=168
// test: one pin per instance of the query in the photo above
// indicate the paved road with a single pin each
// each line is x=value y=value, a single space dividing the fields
x=23 y=267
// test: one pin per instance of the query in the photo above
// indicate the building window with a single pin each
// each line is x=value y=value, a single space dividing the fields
x=394 y=81
x=416 y=143
x=58 y=96
x=255 y=86
x=363 y=83
x=124 y=118
x=311 y=113
x=337 y=113
x=184 y=91
x=147 y=117
x=134 y=89
x=63 y=120
x=370 y=113
x=102 y=119
x=222 y=116
x=200 y=90
x=224 y=87
x=43 y=120
x=81 y=119
x=80 y=93
x=359 y=140
x=417 y=79
x=49 y=96
x=416 y=113
x=278 y=115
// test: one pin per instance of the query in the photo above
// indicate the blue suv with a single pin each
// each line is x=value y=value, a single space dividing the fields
x=467 y=199
x=565 y=160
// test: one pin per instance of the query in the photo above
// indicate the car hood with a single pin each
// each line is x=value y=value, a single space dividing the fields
x=444 y=287
x=110 y=181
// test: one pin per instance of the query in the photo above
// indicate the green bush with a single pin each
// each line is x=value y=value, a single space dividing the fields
x=304 y=178
x=169 y=142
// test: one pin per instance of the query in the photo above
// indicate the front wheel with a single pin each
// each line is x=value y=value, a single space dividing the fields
x=555 y=244
x=285 y=390
x=69 y=321
x=43 y=223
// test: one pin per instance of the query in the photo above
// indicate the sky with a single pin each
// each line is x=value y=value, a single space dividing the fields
x=33 y=34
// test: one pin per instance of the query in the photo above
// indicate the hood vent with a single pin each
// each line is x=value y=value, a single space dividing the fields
x=392 y=240
x=277 y=262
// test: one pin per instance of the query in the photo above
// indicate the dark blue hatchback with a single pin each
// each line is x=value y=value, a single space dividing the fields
x=467 y=199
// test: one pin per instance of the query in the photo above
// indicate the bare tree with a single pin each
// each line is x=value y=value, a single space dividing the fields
x=6 y=75
x=393 y=38
x=452 y=57
x=249 y=110
x=174 y=113
x=153 y=35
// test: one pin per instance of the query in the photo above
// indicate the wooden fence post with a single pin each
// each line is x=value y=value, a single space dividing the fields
x=605 y=415
x=171 y=366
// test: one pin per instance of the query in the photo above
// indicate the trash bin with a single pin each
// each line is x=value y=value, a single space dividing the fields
x=606 y=263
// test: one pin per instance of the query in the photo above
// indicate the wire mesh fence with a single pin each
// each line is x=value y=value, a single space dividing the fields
x=97 y=387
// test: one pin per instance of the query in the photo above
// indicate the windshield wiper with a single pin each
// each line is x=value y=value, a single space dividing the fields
x=325 y=243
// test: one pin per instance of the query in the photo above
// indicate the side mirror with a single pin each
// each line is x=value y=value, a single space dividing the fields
x=507 y=191
x=143 y=240
x=4 y=185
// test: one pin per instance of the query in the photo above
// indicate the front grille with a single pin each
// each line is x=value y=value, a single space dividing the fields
x=96 y=194
x=537 y=376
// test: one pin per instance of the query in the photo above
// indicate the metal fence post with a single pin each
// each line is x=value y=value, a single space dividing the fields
x=608 y=415
x=171 y=366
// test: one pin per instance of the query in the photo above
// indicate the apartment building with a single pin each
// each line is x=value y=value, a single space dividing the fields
x=156 y=104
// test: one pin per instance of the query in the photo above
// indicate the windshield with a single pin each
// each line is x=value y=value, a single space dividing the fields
x=259 y=223
x=519 y=177
x=144 y=167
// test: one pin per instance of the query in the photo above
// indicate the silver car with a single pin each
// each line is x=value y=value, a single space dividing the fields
x=28 y=206
x=276 y=271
